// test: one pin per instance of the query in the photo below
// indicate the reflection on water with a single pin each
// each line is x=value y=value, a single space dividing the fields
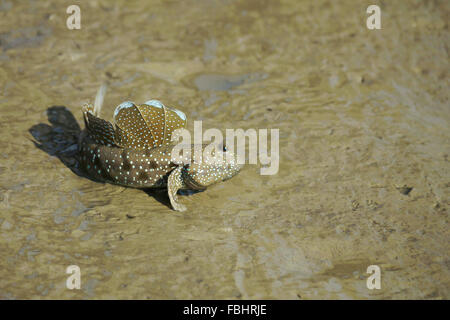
x=364 y=170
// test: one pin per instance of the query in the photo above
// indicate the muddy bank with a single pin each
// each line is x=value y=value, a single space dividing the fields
x=364 y=140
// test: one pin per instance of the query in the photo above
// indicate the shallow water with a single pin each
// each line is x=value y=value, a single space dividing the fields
x=363 y=118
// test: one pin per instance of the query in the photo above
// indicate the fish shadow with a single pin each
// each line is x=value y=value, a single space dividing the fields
x=60 y=139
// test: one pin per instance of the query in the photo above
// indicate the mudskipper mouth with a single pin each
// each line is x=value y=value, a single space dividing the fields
x=191 y=183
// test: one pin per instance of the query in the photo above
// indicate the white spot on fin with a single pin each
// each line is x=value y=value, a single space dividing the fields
x=180 y=114
x=154 y=103
x=123 y=105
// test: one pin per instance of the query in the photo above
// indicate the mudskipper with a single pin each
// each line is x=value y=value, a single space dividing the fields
x=136 y=151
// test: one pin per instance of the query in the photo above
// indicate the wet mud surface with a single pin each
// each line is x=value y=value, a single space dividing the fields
x=364 y=150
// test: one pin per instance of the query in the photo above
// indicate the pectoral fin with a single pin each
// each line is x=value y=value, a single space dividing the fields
x=174 y=183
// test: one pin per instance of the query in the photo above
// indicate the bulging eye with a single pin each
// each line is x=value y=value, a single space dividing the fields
x=225 y=148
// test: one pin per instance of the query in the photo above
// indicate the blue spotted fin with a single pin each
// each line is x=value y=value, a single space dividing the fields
x=146 y=126
x=101 y=131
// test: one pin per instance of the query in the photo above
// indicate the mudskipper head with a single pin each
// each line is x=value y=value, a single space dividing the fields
x=217 y=164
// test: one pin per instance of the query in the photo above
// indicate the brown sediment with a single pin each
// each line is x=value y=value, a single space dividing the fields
x=361 y=113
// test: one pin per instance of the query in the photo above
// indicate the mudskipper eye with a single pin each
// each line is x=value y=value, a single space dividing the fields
x=225 y=148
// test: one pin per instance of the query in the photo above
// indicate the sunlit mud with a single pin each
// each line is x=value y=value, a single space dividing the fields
x=364 y=150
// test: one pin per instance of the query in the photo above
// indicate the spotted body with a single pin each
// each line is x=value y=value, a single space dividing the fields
x=137 y=150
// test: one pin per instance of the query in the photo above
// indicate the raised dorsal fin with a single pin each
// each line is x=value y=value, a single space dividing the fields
x=162 y=120
x=131 y=129
x=149 y=125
